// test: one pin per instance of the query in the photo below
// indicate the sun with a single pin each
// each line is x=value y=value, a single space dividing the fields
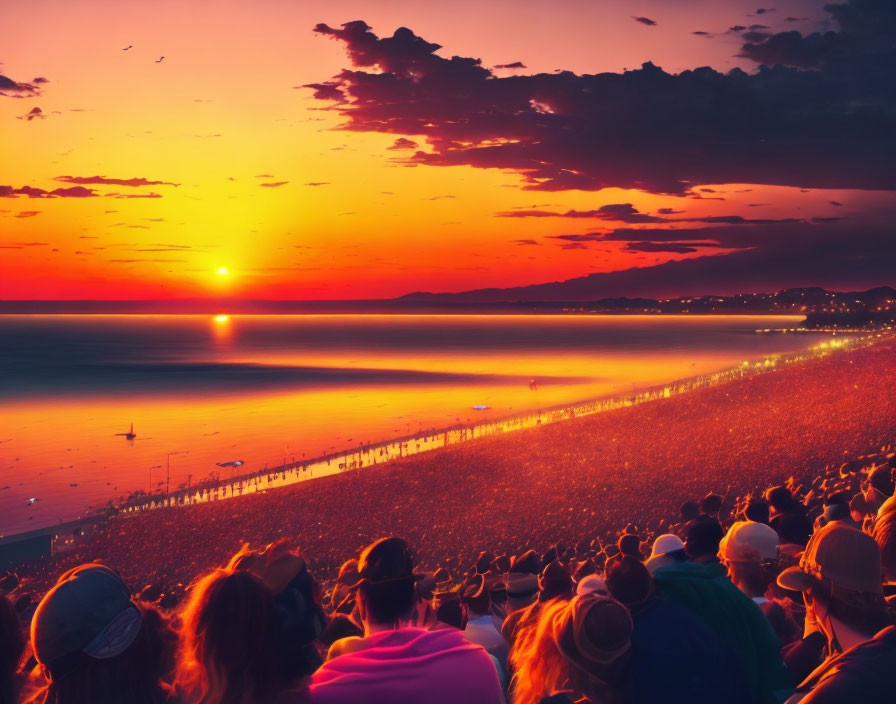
x=223 y=271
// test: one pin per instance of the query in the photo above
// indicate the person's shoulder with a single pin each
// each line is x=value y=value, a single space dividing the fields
x=878 y=652
x=343 y=646
x=863 y=673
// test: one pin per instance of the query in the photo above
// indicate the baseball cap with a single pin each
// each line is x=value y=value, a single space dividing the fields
x=592 y=584
x=749 y=541
x=521 y=585
x=88 y=613
x=840 y=556
x=666 y=543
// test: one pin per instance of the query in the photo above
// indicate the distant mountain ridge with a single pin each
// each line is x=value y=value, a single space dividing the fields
x=811 y=299
x=728 y=275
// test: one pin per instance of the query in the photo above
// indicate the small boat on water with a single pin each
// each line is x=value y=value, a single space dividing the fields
x=130 y=435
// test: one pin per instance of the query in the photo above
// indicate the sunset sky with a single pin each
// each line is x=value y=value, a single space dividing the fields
x=278 y=152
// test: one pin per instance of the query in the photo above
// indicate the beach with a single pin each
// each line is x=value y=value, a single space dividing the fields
x=571 y=480
x=213 y=398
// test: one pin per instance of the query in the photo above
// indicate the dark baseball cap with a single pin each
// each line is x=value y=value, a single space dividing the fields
x=88 y=613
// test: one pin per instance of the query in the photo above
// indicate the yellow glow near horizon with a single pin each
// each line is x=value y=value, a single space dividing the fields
x=221 y=318
x=223 y=271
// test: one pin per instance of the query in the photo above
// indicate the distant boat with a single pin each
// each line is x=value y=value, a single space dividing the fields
x=232 y=463
x=32 y=500
x=480 y=407
x=130 y=435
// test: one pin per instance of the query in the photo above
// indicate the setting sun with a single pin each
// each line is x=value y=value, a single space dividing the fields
x=223 y=271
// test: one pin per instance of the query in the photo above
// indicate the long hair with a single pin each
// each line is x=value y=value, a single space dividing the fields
x=554 y=658
x=229 y=642
x=540 y=668
x=136 y=676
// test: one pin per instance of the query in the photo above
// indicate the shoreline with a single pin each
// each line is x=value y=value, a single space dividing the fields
x=374 y=454
x=371 y=455
x=571 y=481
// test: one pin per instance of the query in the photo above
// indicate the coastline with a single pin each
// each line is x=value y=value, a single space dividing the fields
x=370 y=455
x=580 y=479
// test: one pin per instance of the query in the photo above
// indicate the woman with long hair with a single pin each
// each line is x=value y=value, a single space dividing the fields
x=248 y=631
x=96 y=645
x=579 y=652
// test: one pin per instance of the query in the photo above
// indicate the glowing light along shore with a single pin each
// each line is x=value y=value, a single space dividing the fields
x=370 y=455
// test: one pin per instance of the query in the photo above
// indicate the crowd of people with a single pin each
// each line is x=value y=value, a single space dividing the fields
x=789 y=595
x=511 y=580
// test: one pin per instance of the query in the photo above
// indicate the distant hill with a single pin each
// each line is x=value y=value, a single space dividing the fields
x=880 y=301
x=728 y=275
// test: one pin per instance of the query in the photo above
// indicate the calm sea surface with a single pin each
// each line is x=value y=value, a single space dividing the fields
x=267 y=389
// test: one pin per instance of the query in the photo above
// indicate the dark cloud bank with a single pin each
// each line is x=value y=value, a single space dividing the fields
x=818 y=112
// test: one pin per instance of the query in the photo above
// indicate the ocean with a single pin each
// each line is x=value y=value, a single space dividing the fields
x=266 y=390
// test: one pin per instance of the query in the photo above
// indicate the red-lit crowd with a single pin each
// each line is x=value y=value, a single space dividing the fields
x=781 y=596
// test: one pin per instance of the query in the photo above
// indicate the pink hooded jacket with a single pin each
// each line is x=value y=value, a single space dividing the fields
x=410 y=666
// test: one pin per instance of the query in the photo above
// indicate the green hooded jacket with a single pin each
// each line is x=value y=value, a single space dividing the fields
x=705 y=589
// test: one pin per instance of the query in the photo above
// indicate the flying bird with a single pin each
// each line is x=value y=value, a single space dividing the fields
x=161 y=58
x=129 y=46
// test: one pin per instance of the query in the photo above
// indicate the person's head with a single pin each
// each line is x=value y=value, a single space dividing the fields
x=629 y=581
x=836 y=507
x=342 y=598
x=449 y=609
x=550 y=555
x=885 y=536
x=780 y=499
x=584 y=644
x=386 y=593
x=629 y=546
x=757 y=510
x=247 y=630
x=554 y=581
x=584 y=568
x=667 y=549
x=522 y=590
x=592 y=584
x=8 y=582
x=229 y=640
x=484 y=562
x=793 y=529
x=881 y=478
x=689 y=511
x=476 y=596
x=501 y=564
x=703 y=537
x=840 y=577
x=666 y=543
x=528 y=562
x=750 y=552
x=95 y=643
x=711 y=505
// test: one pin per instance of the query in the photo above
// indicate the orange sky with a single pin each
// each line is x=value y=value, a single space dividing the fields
x=220 y=117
